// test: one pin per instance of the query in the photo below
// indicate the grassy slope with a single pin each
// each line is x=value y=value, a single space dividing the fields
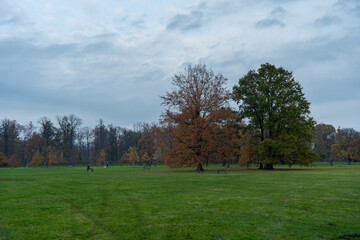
x=127 y=203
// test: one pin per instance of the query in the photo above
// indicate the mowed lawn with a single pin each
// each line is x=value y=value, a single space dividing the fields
x=129 y=203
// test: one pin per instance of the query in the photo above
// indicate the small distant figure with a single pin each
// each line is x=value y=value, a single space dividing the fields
x=88 y=168
x=331 y=163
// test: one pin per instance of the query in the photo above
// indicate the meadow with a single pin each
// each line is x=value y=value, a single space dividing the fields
x=124 y=202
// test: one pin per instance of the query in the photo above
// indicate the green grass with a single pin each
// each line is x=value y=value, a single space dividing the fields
x=128 y=203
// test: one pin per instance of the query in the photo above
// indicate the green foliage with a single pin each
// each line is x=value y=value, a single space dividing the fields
x=274 y=105
x=323 y=139
x=286 y=149
x=48 y=131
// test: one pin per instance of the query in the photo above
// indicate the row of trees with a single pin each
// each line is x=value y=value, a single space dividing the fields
x=68 y=143
x=332 y=144
x=272 y=125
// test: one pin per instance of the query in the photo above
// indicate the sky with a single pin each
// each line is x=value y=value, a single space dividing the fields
x=112 y=59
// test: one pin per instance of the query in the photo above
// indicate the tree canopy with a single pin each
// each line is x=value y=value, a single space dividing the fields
x=197 y=115
x=346 y=144
x=324 y=135
x=274 y=105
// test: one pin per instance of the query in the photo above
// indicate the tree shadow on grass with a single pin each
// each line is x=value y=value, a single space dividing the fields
x=349 y=236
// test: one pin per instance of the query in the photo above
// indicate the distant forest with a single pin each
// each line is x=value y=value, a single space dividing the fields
x=67 y=143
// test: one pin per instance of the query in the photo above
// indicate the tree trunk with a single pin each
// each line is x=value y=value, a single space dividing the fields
x=228 y=164
x=261 y=166
x=269 y=166
x=199 y=168
x=262 y=136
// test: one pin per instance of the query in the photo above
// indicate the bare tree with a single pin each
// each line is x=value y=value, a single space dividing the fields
x=9 y=136
x=68 y=128
x=88 y=135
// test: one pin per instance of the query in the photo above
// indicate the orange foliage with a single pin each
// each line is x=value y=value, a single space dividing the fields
x=35 y=145
x=53 y=156
x=199 y=122
x=4 y=161
x=37 y=159
x=248 y=145
x=14 y=161
x=148 y=139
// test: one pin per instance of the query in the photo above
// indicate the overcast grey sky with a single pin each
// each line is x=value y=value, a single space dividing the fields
x=112 y=59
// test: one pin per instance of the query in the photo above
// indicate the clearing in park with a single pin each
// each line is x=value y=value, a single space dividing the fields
x=321 y=202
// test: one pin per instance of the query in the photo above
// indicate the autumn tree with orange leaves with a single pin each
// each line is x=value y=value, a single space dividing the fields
x=198 y=117
x=249 y=141
x=148 y=139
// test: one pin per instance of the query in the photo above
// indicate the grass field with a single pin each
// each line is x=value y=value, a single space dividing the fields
x=129 y=203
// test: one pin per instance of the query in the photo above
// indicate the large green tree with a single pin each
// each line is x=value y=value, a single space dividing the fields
x=273 y=104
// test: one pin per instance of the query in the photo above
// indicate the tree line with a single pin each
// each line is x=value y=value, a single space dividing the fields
x=272 y=124
x=66 y=142
x=336 y=144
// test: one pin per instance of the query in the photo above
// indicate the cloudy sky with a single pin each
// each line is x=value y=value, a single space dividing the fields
x=112 y=59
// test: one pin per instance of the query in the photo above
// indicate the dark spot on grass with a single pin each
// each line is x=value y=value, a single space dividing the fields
x=15 y=180
x=332 y=224
x=349 y=236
